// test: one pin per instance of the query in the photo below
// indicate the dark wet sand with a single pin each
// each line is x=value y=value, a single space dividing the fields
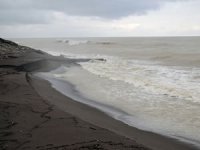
x=35 y=116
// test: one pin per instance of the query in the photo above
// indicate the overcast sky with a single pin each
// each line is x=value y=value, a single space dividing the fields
x=86 y=18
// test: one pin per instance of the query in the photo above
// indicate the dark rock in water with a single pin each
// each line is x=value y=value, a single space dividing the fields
x=101 y=59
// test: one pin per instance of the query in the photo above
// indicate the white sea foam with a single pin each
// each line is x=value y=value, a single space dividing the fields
x=183 y=83
x=89 y=56
x=73 y=42
x=162 y=96
x=156 y=98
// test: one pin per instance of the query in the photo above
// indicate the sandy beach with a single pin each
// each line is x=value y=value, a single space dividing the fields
x=36 y=116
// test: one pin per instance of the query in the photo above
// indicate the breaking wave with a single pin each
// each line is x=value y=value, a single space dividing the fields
x=73 y=42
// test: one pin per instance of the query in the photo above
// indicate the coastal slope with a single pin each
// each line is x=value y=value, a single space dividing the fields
x=29 y=121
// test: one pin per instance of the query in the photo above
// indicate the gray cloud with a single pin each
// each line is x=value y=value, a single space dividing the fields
x=102 y=8
x=38 y=11
x=11 y=17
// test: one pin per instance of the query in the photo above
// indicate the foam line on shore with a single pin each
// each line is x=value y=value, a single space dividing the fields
x=99 y=118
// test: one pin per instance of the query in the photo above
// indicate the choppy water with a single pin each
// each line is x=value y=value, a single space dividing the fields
x=155 y=81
